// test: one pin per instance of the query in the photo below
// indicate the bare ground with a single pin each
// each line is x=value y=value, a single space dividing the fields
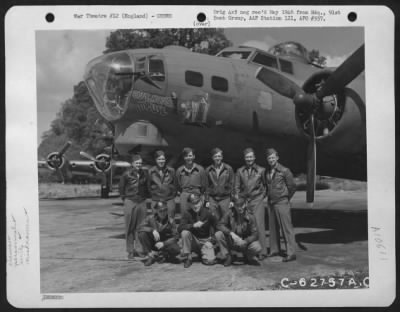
x=83 y=250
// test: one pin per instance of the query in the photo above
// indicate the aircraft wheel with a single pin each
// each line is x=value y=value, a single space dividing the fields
x=105 y=190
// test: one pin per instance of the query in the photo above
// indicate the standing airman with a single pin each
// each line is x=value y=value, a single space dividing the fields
x=133 y=192
x=220 y=182
x=162 y=183
x=281 y=188
x=250 y=185
x=191 y=178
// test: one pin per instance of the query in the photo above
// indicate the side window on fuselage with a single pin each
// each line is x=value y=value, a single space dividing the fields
x=193 y=78
x=219 y=84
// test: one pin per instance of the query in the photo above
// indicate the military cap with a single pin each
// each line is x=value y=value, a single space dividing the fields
x=194 y=199
x=160 y=206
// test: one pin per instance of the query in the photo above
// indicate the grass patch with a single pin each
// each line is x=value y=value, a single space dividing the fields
x=58 y=190
x=318 y=186
x=331 y=183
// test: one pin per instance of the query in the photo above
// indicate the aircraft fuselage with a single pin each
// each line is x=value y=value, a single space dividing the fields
x=174 y=98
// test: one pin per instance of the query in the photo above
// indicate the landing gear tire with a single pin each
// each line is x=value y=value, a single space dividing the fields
x=105 y=190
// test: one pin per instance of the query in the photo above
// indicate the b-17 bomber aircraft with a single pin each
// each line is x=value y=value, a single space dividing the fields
x=242 y=97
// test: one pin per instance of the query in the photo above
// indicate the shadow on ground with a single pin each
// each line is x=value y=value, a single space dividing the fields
x=341 y=227
x=337 y=226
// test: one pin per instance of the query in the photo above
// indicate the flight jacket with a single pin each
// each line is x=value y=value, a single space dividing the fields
x=281 y=185
x=167 y=228
x=220 y=186
x=162 y=187
x=190 y=217
x=242 y=225
x=133 y=185
x=193 y=180
x=250 y=182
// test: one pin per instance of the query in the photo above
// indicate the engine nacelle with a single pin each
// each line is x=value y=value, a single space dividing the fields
x=339 y=119
x=55 y=161
x=102 y=163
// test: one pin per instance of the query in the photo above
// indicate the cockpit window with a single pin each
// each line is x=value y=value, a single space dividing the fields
x=140 y=64
x=238 y=55
x=286 y=66
x=109 y=81
x=156 y=69
x=266 y=60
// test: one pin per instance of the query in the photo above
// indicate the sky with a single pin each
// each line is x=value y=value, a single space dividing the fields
x=62 y=56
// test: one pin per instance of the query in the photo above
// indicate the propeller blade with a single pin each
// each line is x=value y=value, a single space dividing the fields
x=311 y=163
x=284 y=86
x=87 y=156
x=65 y=148
x=344 y=74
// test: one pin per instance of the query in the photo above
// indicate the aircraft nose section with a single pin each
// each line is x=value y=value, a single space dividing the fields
x=109 y=79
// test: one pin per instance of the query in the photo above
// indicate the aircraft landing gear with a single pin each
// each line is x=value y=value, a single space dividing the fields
x=105 y=191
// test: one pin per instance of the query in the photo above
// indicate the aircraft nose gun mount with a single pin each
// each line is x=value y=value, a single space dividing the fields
x=321 y=106
x=109 y=80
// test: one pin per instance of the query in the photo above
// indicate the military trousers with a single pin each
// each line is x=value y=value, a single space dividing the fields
x=201 y=246
x=148 y=242
x=134 y=213
x=280 y=219
x=256 y=206
x=219 y=208
x=226 y=245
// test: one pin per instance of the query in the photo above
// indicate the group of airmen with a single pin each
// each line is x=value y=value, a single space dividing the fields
x=220 y=209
